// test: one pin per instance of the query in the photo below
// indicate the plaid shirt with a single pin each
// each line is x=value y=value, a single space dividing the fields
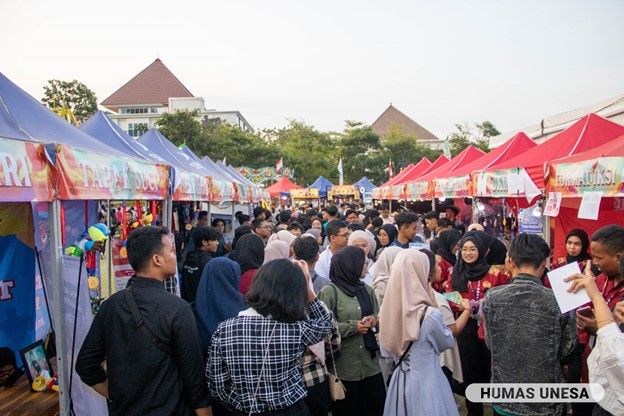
x=171 y=285
x=237 y=355
x=314 y=371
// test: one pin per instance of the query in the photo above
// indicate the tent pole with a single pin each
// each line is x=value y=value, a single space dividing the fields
x=209 y=212
x=54 y=212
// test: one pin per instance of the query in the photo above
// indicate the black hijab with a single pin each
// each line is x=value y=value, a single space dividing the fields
x=249 y=252
x=345 y=271
x=498 y=252
x=392 y=232
x=464 y=272
x=447 y=241
x=583 y=255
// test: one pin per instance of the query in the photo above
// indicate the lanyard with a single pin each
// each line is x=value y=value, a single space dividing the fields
x=475 y=293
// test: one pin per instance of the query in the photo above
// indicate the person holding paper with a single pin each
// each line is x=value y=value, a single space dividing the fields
x=524 y=329
x=606 y=361
x=577 y=249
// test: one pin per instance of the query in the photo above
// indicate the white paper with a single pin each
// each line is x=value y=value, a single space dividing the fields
x=481 y=185
x=553 y=204
x=567 y=301
x=590 y=205
x=530 y=189
x=515 y=184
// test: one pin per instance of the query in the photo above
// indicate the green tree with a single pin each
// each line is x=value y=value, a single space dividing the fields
x=72 y=100
x=460 y=139
x=310 y=152
x=181 y=127
x=361 y=152
x=404 y=149
x=241 y=148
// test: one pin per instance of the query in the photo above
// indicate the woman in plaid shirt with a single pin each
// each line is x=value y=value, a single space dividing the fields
x=254 y=366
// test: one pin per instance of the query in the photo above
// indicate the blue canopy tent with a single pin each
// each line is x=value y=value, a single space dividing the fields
x=364 y=184
x=323 y=185
x=108 y=132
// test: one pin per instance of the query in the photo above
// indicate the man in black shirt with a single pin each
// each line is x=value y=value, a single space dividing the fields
x=206 y=241
x=153 y=366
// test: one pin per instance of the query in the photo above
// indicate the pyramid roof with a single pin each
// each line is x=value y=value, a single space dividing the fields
x=153 y=85
x=392 y=118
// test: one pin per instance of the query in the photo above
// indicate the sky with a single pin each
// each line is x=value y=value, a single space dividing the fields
x=323 y=62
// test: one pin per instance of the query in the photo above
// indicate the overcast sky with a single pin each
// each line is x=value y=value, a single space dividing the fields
x=324 y=62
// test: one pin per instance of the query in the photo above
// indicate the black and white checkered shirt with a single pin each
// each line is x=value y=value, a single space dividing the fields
x=236 y=359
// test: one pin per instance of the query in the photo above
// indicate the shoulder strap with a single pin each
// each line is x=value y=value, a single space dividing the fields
x=142 y=325
x=335 y=311
x=422 y=318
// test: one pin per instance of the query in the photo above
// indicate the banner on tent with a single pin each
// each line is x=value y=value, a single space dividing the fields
x=504 y=183
x=573 y=179
x=122 y=271
x=458 y=187
x=343 y=190
x=25 y=174
x=193 y=187
x=312 y=193
x=418 y=191
x=86 y=175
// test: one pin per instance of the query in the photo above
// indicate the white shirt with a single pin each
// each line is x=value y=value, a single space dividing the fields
x=449 y=358
x=323 y=263
x=606 y=367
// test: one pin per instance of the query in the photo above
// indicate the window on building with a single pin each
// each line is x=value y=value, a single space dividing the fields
x=133 y=110
x=136 y=129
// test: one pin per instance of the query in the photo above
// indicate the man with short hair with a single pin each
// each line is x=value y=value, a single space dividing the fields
x=306 y=248
x=431 y=222
x=206 y=241
x=148 y=339
x=330 y=213
x=262 y=228
x=385 y=214
x=295 y=228
x=352 y=217
x=524 y=329
x=338 y=237
x=451 y=213
x=259 y=213
x=406 y=223
x=202 y=219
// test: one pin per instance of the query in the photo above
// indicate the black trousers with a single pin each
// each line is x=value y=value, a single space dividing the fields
x=318 y=400
x=363 y=398
x=475 y=361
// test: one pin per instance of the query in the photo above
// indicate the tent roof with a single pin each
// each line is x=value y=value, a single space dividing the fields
x=153 y=85
x=513 y=147
x=24 y=118
x=159 y=144
x=587 y=133
x=282 y=185
x=399 y=175
x=614 y=148
x=468 y=155
x=366 y=183
x=322 y=184
x=108 y=132
x=417 y=170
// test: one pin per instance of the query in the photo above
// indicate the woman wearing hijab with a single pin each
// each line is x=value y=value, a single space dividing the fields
x=276 y=250
x=249 y=254
x=218 y=296
x=411 y=324
x=447 y=257
x=577 y=246
x=381 y=275
x=386 y=235
x=365 y=241
x=283 y=235
x=472 y=278
x=355 y=309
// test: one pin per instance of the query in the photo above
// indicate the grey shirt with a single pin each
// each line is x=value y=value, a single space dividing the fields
x=529 y=338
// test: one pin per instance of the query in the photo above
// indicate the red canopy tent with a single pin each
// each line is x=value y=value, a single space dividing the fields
x=598 y=169
x=282 y=185
x=458 y=182
x=420 y=188
x=421 y=168
x=395 y=190
x=587 y=133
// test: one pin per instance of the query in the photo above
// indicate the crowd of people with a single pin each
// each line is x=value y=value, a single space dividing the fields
x=354 y=312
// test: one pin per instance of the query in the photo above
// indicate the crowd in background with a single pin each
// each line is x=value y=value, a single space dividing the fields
x=369 y=312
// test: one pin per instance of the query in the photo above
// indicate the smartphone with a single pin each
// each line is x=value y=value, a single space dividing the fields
x=587 y=312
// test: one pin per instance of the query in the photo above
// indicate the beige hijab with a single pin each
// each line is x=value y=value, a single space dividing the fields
x=407 y=295
x=282 y=235
x=276 y=249
x=366 y=236
x=381 y=275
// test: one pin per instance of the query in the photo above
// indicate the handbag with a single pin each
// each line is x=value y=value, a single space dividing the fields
x=337 y=390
